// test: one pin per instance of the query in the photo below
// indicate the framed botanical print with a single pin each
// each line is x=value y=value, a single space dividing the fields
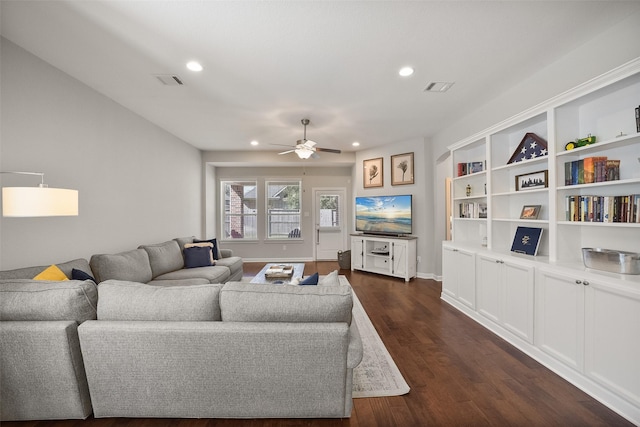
x=402 y=169
x=372 y=173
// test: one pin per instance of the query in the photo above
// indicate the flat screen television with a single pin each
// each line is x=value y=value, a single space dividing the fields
x=389 y=215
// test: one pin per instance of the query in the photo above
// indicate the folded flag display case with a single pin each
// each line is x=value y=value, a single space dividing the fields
x=526 y=240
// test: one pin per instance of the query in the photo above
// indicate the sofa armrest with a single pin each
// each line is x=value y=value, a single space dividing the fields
x=226 y=253
x=43 y=374
x=355 y=351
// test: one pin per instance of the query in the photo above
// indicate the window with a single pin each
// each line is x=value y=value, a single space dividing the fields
x=240 y=214
x=329 y=211
x=283 y=209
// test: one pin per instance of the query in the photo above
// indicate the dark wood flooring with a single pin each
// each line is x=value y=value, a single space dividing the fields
x=460 y=374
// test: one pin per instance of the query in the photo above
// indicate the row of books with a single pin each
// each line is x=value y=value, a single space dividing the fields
x=603 y=208
x=471 y=167
x=590 y=170
x=473 y=210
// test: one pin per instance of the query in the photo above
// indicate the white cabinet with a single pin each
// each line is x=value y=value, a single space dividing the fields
x=505 y=293
x=612 y=337
x=560 y=316
x=392 y=256
x=459 y=274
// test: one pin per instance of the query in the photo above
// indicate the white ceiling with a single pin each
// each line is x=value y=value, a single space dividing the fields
x=268 y=64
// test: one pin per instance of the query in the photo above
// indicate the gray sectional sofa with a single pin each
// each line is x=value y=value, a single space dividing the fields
x=163 y=264
x=130 y=349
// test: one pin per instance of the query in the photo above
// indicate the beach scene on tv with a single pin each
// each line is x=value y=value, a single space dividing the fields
x=385 y=215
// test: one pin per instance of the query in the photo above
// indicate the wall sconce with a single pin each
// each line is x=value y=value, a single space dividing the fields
x=38 y=201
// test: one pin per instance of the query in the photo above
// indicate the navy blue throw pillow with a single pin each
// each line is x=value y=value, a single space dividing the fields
x=81 y=275
x=311 y=280
x=197 y=257
x=216 y=253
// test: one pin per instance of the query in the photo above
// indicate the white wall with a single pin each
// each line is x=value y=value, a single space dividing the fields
x=602 y=53
x=137 y=183
x=422 y=191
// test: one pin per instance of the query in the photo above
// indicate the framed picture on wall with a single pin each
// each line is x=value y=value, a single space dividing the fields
x=402 y=169
x=372 y=173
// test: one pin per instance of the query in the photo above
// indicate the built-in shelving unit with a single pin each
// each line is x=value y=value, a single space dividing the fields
x=551 y=306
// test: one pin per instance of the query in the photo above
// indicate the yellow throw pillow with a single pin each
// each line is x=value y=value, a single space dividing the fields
x=52 y=273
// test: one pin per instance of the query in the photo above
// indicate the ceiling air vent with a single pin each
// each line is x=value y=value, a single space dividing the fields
x=169 y=79
x=438 y=86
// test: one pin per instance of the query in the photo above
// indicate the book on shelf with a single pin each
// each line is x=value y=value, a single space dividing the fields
x=526 y=240
x=590 y=170
x=586 y=208
x=471 y=167
x=472 y=210
x=638 y=119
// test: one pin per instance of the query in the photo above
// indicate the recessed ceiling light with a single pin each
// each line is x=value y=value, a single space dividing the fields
x=355 y=144
x=405 y=71
x=194 y=66
x=254 y=143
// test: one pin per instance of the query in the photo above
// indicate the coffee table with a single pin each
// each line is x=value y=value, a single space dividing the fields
x=298 y=270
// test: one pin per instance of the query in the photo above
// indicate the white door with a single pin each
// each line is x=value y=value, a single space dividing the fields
x=330 y=223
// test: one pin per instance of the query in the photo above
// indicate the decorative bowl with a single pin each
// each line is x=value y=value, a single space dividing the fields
x=611 y=260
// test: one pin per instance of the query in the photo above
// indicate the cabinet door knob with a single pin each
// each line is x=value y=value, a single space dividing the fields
x=585 y=283
x=579 y=282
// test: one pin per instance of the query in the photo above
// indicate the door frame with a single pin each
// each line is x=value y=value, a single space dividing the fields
x=345 y=211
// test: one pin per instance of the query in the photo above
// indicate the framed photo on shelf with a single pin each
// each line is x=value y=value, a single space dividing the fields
x=532 y=181
x=530 y=211
x=372 y=173
x=402 y=169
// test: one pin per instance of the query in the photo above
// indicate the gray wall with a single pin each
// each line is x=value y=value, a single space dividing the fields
x=422 y=191
x=604 y=52
x=137 y=183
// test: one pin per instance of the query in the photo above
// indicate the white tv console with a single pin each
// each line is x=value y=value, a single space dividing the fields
x=392 y=256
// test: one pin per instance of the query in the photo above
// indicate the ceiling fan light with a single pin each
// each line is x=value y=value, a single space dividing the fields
x=304 y=154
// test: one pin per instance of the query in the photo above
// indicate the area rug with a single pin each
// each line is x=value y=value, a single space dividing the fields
x=377 y=375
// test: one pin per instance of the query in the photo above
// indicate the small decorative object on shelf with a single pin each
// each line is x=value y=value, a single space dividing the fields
x=530 y=211
x=531 y=147
x=468 y=190
x=526 y=240
x=590 y=139
x=532 y=181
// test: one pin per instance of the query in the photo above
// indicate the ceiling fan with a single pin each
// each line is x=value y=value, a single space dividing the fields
x=305 y=148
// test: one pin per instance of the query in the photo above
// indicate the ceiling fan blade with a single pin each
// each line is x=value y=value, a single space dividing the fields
x=287 y=152
x=329 y=150
x=283 y=145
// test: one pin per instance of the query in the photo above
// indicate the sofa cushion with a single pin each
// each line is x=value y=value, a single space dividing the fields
x=31 y=272
x=310 y=280
x=26 y=299
x=214 y=274
x=184 y=240
x=331 y=279
x=233 y=263
x=197 y=256
x=81 y=275
x=52 y=273
x=179 y=282
x=216 y=247
x=132 y=266
x=120 y=300
x=248 y=302
x=164 y=257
